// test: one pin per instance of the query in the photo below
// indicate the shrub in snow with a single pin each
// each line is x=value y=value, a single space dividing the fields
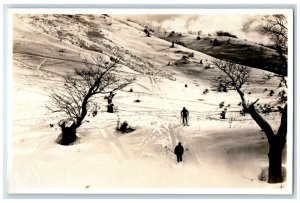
x=207 y=67
x=221 y=104
x=283 y=96
x=216 y=42
x=185 y=57
x=94 y=34
x=147 y=32
x=227 y=34
x=198 y=38
x=205 y=91
x=180 y=43
x=191 y=54
x=222 y=88
x=271 y=93
x=125 y=128
x=266 y=109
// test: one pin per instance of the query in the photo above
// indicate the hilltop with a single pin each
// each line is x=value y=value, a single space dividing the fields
x=221 y=45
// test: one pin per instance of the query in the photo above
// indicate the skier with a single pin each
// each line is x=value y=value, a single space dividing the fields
x=110 y=105
x=184 y=116
x=179 y=151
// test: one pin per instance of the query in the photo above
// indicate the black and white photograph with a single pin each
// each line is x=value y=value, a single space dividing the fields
x=150 y=101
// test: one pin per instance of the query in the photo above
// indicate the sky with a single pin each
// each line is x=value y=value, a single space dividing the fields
x=243 y=26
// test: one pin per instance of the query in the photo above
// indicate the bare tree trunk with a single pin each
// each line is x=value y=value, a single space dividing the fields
x=68 y=135
x=275 y=161
x=276 y=143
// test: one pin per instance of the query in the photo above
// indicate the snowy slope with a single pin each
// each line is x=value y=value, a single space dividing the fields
x=103 y=159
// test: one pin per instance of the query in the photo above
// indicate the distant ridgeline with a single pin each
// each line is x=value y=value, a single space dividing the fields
x=85 y=31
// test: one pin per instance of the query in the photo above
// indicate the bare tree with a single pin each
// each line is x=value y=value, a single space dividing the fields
x=238 y=75
x=274 y=26
x=98 y=77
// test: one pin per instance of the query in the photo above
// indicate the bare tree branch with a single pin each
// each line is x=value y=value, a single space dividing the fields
x=98 y=77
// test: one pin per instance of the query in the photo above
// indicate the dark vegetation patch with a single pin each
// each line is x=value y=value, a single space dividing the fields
x=239 y=51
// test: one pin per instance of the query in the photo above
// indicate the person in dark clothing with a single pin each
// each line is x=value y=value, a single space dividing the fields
x=179 y=151
x=110 y=105
x=184 y=116
x=110 y=97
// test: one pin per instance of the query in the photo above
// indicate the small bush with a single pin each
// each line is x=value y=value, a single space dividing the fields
x=216 y=42
x=271 y=93
x=130 y=90
x=226 y=34
x=94 y=34
x=184 y=57
x=191 y=54
x=266 y=109
x=221 y=104
x=207 y=67
x=147 y=32
x=205 y=91
x=198 y=38
x=180 y=43
x=137 y=100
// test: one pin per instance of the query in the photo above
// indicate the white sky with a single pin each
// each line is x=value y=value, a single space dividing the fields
x=209 y=23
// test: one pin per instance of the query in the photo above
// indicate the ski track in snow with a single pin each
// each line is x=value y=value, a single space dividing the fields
x=40 y=66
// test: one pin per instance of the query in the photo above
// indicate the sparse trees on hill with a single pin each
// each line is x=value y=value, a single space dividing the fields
x=98 y=77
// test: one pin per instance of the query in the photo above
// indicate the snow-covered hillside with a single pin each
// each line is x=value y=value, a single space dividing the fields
x=219 y=154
